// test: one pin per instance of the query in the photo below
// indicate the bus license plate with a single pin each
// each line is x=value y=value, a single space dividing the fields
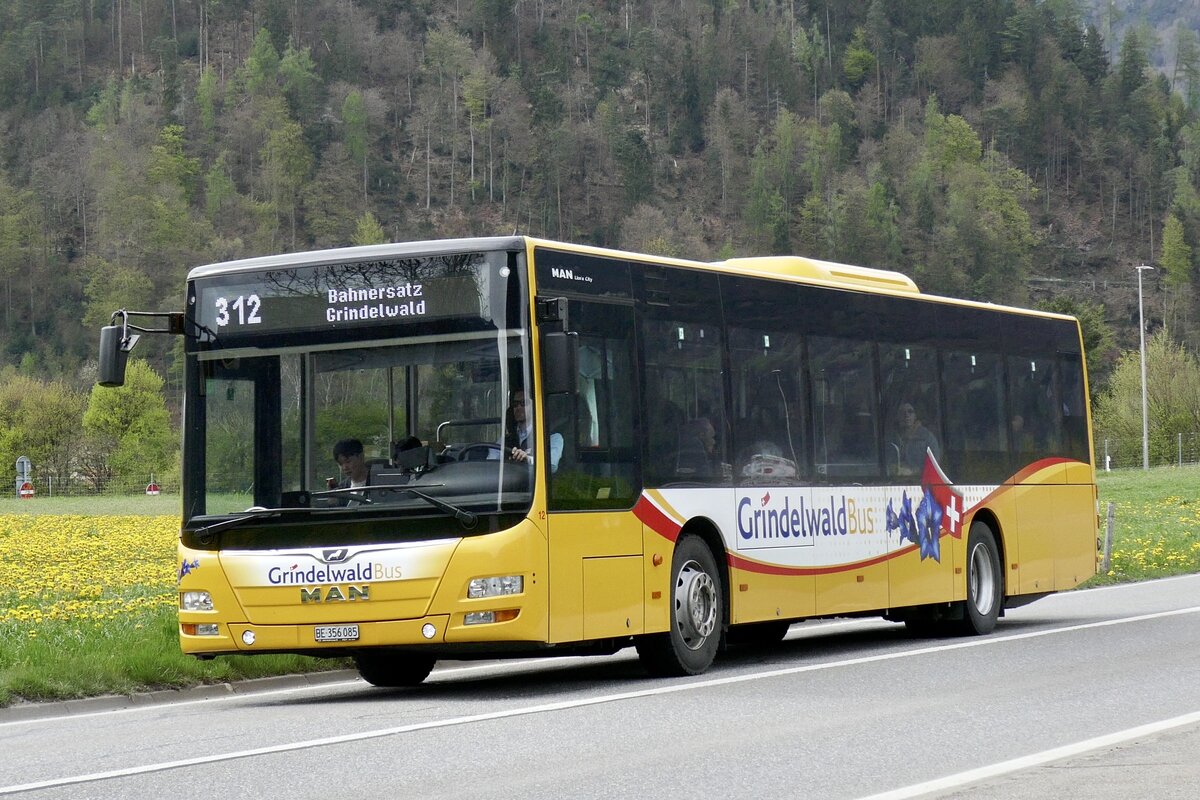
x=336 y=633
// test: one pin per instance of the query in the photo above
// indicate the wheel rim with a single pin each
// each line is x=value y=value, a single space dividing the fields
x=982 y=575
x=695 y=605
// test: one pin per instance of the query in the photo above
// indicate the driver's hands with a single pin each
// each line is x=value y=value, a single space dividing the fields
x=519 y=455
x=331 y=483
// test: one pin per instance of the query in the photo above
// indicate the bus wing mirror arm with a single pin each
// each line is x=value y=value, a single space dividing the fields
x=117 y=339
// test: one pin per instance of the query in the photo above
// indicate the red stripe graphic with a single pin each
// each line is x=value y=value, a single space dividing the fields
x=653 y=517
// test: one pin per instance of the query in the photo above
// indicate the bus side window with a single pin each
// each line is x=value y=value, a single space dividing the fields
x=976 y=430
x=1035 y=412
x=768 y=408
x=912 y=414
x=845 y=418
x=1074 y=408
x=686 y=440
x=598 y=465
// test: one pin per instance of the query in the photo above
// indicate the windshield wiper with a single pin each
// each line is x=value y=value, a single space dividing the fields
x=359 y=493
x=467 y=518
x=256 y=512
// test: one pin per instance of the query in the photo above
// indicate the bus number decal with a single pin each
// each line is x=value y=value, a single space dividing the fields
x=246 y=307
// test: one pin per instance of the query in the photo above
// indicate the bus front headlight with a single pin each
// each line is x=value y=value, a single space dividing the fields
x=195 y=601
x=496 y=586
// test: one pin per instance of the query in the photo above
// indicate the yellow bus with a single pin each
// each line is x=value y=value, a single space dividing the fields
x=498 y=446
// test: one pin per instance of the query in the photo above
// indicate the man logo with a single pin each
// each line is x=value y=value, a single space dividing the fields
x=335 y=556
x=335 y=594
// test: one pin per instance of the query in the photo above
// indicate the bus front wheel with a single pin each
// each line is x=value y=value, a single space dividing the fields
x=389 y=670
x=697 y=615
x=985 y=582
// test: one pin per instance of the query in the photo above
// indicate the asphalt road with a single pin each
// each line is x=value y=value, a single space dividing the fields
x=1086 y=694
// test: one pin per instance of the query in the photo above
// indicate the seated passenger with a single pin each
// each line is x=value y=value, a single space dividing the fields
x=912 y=440
x=697 y=449
x=348 y=453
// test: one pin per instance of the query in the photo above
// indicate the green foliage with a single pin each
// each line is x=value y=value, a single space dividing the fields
x=354 y=120
x=206 y=100
x=949 y=140
x=169 y=166
x=300 y=82
x=261 y=71
x=369 y=231
x=40 y=420
x=111 y=287
x=859 y=61
x=1173 y=397
x=1176 y=254
x=128 y=428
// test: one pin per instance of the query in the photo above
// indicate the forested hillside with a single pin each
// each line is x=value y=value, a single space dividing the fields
x=1004 y=151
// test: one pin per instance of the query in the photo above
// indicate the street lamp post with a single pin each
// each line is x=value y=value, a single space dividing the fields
x=1142 y=341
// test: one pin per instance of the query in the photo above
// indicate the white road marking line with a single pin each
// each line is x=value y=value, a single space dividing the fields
x=446 y=671
x=812 y=627
x=571 y=704
x=1036 y=759
x=504 y=666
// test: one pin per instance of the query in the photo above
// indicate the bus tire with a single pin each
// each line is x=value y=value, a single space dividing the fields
x=697 y=615
x=391 y=670
x=985 y=582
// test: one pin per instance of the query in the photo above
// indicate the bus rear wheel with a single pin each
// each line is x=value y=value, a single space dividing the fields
x=985 y=584
x=390 y=670
x=697 y=615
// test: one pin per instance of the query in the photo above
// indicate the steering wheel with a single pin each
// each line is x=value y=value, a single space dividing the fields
x=480 y=451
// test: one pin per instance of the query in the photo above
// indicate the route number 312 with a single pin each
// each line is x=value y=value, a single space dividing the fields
x=242 y=311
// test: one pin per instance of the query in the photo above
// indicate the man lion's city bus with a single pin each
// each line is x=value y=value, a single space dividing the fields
x=714 y=451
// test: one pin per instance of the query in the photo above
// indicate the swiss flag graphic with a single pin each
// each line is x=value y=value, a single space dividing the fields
x=935 y=482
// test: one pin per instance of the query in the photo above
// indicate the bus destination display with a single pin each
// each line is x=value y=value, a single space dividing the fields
x=336 y=296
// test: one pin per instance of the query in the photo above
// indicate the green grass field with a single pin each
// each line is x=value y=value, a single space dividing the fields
x=87 y=586
x=141 y=505
x=1156 y=529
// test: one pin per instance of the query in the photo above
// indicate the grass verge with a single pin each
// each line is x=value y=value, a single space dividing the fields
x=87 y=607
x=1156 y=531
x=87 y=586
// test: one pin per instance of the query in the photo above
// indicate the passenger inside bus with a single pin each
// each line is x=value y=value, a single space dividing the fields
x=351 y=460
x=912 y=440
x=697 y=449
x=348 y=453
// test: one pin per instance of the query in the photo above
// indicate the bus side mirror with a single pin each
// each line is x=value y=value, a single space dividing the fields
x=560 y=362
x=114 y=353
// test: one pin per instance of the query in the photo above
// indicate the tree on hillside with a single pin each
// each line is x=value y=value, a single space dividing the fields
x=368 y=231
x=18 y=238
x=111 y=287
x=1177 y=261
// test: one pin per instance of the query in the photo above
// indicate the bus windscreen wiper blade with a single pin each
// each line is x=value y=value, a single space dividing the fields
x=243 y=516
x=467 y=518
x=359 y=493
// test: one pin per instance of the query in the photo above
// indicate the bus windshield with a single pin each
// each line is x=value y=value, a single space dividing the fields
x=369 y=419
